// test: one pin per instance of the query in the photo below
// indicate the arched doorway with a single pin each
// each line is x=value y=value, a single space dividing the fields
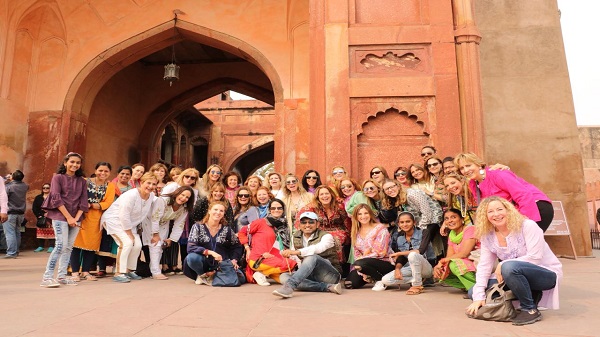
x=126 y=102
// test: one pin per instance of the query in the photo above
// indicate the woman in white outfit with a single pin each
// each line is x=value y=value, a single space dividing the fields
x=121 y=220
x=173 y=206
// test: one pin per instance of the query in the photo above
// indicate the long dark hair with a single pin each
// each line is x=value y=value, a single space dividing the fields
x=62 y=169
x=189 y=205
x=305 y=183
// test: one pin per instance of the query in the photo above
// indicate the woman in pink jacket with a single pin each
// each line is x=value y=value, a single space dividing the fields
x=483 y=183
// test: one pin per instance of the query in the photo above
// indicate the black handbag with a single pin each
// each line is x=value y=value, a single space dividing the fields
x=41 y=222
x=227 y=276
x=498 y=305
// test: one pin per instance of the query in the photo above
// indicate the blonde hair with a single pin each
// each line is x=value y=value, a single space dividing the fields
x=216 y=187
x=466 y=193
x=356 y=224
x=286 y=191
x=148 y=176
x=157 y=167
x=188 y=172
x=223 y=221
x=386 y=200
x=483 y=226
x=267 y=183
x=206 y=183
x=468 y=157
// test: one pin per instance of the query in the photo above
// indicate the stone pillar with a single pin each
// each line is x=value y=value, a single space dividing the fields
x=467 y=38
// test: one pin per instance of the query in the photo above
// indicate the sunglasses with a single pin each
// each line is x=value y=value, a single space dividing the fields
x=400 y=173
x=433 y=164
x=190 y=177
x=338 y=172
x=375 y=172
x=276 y=208
x=426 y=154
x=346 y=186
x=312 y=177
x=243 y=195
x=308 y=222
x=393 y=187
x=369 y=189
x=291 y=182
x=215 y=172
x=45 y=188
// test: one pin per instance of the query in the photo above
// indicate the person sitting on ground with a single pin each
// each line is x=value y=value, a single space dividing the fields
x=210 y=242
x=320 y=268
x=270 y=236
x=461 y=242
x=528 y=267
x=411 y=253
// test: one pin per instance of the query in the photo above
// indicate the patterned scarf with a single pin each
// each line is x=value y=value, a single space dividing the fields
x=280 y=227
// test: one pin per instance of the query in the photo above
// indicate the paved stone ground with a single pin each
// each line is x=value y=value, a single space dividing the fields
x=178 y=307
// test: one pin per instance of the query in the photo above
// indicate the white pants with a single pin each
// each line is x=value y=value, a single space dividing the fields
x=155 y=255
x=128 y=252
x=414 y=272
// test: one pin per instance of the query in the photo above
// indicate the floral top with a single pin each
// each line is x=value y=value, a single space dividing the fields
x=224 y=243
x=425 y=209
x=375 y=244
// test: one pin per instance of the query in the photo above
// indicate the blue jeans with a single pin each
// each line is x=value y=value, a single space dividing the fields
x=197 y=262
x=12 y=231
x=65 y=237
x=315 y=274
x=524 y=277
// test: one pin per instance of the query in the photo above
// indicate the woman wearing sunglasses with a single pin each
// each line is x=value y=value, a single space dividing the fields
x=213 y=175
x=270 y=236
x=370 y=195
x=401 y=174
x=294 y=197
x=435 y=170
x=337 y=174
x=310 y=180
x=378 y=174
x=345 y=189
x=243 y=204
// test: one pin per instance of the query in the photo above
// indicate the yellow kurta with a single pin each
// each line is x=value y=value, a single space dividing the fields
x=90 y=235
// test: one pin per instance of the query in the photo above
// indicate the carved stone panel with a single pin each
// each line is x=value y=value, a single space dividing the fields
x=391 y=60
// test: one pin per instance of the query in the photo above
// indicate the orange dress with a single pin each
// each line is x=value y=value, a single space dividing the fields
x=90 y=235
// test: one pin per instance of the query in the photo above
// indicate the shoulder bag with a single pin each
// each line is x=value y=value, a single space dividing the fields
x=498 y=305
x=227 y=276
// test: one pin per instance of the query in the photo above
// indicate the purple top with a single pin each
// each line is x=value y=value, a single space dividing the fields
x=68 y=191
x=528 y=245
x=506 y=184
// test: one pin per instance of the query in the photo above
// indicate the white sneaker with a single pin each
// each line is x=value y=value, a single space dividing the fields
x=201 y=279
x=379 y=286
x=49 y=283
x=260 y=279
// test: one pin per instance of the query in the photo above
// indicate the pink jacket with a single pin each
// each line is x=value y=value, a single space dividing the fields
x=506 y=184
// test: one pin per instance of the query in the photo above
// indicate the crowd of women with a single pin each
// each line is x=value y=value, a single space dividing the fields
x=454 y=220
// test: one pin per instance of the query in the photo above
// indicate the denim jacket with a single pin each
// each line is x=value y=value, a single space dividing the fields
x=398 y=242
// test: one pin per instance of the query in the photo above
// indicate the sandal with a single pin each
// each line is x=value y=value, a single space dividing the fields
x=159 y=277
x=75 y=278
x=89 y=277
x=415 y=290
x=101 y=274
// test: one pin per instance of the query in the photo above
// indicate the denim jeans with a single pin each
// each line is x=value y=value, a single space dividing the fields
x=524 y=277
x=414 y=272
x=12 y=231
x=315 y=274
x=197 y=262
x=65 y=237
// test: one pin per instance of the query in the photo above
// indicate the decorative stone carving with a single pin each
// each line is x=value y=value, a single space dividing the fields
x=390 y=60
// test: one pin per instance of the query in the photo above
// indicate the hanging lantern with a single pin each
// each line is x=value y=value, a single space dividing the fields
x=171 y=73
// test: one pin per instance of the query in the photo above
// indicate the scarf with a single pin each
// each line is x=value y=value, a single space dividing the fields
x=280 y=227
x=263 y=211
x=456 y=238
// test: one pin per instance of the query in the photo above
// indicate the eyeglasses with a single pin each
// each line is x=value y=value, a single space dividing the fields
x=312 y=177
x=215 y=172
x=291 y=182
x=375 y=172
x=190 y=177
x=308 y=222
x=275 y=208
x=400 y=174
x=389 y=188
x=338 y=172
x=45 y=188
x=243 y=195
x=369 y=189
x=426 y=154
x=346 y=186
x=433 y=164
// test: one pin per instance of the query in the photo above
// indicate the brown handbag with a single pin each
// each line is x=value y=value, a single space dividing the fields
x=498 y=305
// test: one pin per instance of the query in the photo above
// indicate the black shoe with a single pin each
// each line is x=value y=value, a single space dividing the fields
x=527 y=317
x=169 y=271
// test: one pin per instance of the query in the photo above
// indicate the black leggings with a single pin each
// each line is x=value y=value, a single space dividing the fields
x=430 y=233
x=546 y=213
x=82 y=259
x=375 y=268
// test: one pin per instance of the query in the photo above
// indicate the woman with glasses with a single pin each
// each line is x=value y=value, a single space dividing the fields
x=345 y=189
x=370 y=194
x=270 y=236
x=212 y=176
x=434 y=169
x=44 y=232
x=295 y=197
x=241 y=211
x=370 y=240
x=310 y=180
x=188 y=177
x=485 y=182
x=421 y=179
x=217 y=193
x=427 y=152
x=337 y=174
x=232 y=181
x=401 y=174
x=378 y=174
x=253 y=183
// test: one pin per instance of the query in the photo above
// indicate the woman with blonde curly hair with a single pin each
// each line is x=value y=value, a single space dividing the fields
x=212 y=176
x=295 y=197
x=528 y=267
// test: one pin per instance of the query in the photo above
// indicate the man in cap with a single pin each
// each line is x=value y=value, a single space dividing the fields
x=320 y=268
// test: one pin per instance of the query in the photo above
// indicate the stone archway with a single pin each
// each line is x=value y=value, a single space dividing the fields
x=253 y=156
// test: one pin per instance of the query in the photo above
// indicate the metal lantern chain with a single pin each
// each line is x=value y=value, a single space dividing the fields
x=172 y=69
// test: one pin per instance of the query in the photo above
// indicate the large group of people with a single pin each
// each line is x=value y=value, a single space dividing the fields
x=454 y=220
